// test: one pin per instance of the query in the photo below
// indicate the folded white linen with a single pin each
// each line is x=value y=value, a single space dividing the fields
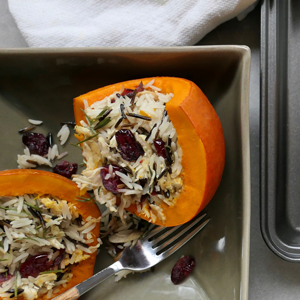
x=92 y=23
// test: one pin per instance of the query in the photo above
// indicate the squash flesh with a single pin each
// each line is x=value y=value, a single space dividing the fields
x=200 y=136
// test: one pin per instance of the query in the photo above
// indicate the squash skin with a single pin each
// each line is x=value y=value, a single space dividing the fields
x=25 y=181
x=203 y=147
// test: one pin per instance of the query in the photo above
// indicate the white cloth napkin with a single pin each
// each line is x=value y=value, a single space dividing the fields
x=92 y=23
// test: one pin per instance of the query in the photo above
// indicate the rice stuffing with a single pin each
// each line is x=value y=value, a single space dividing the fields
x=131 y=152
x=41 y=239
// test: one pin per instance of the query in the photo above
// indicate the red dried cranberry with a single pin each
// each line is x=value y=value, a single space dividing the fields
x=111 y=184
x=34 y=265
x=145 y=197
x=59 y=258
x=4 y=277
x=160 y=147
x=66 y=169
x=131 y=93
x=36 y=143
x=140 y=87
x=128 y=92
x=182 y=269
x=117 y=249
x=154 y=192
x=130 y=149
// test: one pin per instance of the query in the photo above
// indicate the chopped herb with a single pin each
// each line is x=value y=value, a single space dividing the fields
x=45 y=232
x=51 y=271
x=83 y=199
x=16 y=286
x=26 y=238
x=38 y=227
x=99 y=188
x=101 y=114
x=3 y=259
x=82 y=165
x=50 y=237
x=105 y=114
x=75 y=145
x=7 y=208
x=89 y=121
x=13 y=292
x=87 y=139
x=32 y=206
x=37 y=205
x=102 y=123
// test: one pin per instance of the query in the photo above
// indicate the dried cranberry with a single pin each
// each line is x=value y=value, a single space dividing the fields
x=160 y=147
x=128 y=92
x=36 y=143
x=130 y=149
x=66 y=169
x=34 y=265
x=140 y=87
x=145 y=197
x=111 y=184
x=131 y=93
x=182 y=269
x=154 y=192
x=4 y=277
x=59 y=258
x=117 y=249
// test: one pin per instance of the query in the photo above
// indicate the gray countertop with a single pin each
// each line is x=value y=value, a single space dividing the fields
x=270 y=277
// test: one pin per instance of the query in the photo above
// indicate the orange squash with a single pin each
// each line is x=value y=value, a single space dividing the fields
x=19 y=182
x=200 y=136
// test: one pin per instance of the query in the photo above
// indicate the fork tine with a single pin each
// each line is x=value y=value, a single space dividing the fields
x=166 y=234
x=180 y=243
x=154 y=232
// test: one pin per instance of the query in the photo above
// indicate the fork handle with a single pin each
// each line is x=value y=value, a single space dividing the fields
x=86 y=285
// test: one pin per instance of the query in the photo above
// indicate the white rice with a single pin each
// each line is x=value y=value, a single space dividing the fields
x=24 y=237
x=23 y=160
x=103 y=150
x=60 y=156
x=35 y=122
x=63 y=134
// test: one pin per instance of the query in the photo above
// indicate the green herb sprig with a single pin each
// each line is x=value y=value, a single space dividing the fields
x=83 y=199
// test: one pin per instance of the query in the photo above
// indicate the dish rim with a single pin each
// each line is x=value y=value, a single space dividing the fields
x=244 y=66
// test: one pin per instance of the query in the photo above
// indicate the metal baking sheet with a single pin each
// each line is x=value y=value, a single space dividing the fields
x=41 y=84
x=280 y=125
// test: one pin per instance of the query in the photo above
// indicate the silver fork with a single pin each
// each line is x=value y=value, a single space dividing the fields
x=146 y=253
